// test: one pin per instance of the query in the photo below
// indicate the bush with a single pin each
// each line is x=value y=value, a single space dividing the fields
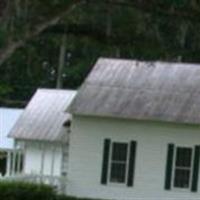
x=24 y=191
x=27 y=191
x=63 y=197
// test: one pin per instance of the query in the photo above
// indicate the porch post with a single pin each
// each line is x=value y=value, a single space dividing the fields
x=8 y=163
x=19 y=157
x=24 y=152
x=42 y=162
x=13 y=168
x=53 y=161
x=52 y=164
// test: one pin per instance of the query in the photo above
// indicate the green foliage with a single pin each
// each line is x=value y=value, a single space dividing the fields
x=27 y=191
x=63 y=197
x=22 y=191
x=144 y=30
x=5 y=90
x=2 y=36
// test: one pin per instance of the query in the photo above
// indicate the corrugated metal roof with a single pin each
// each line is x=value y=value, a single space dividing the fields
x=8 y=118
x=44 y=116
x=141 y=90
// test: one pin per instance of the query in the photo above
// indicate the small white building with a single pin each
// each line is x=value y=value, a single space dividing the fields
x=8 y=117
x=136 y=132
x=42 y=131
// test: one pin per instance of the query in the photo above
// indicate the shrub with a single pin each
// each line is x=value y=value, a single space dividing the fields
x=63 y=197
x=24 y=191
x=29 y=191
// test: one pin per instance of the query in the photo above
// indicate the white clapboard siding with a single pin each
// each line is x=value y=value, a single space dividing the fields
x=86 y=151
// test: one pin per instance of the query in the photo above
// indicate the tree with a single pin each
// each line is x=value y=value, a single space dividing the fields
x=31 y=38
x=31 y=30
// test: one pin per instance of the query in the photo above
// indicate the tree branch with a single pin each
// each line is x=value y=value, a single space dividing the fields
x=11 y=47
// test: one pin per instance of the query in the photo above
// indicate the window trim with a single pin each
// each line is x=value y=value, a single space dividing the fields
x=174 y=168
x=110 y=164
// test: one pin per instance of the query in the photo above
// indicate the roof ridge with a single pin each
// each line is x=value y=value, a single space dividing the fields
x=169 y=63
x=55 y=90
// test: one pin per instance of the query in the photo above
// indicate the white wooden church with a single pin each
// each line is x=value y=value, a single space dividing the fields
x=132 y=131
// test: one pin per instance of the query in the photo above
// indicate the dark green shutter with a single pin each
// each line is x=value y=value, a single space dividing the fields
x=195 y=175
x=105 y=162
x=169 y=165
x=131 y=167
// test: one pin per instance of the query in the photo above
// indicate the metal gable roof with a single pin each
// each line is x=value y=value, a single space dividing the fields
x=44 y=116
x=141 y=90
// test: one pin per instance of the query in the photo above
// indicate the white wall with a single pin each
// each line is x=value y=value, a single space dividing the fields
x=8 y=117
x=85 y=157
x=33 y=158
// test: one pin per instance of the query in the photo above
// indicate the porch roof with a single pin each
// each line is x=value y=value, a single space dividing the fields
x=44 y=116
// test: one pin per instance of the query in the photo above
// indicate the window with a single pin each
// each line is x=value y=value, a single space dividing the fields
x=118 y=162
x=183 y=167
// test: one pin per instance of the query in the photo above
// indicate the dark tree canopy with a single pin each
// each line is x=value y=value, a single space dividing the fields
x=31 y=39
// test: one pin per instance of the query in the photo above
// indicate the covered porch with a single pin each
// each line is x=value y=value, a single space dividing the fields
x=36 y=162
x=11 y=156
x=11 y=162
x=42 y=132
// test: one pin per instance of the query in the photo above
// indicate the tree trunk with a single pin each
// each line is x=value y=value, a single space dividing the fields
x=109 y=22
x=182 y=39
x=18 y=8
x=12 y=46
x=61 y=65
